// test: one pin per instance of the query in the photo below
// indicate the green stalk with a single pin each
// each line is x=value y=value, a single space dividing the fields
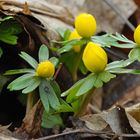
x=29 y=103
x=77 y=63
x=84 y=104
x=75 y=69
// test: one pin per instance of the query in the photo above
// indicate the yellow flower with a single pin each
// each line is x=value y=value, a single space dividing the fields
x=45 y=69
x=94 y=57
x=137 y=35
x=85 y=25
x=75 y=35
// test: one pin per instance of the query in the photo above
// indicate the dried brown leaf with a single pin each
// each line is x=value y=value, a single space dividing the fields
x=26 y=9
x=94 y=122
x=32 y=121
x=134 y=124
x=117 y=120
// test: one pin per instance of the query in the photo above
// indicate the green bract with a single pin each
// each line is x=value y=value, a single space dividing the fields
x=81 y=88
x=29 y=81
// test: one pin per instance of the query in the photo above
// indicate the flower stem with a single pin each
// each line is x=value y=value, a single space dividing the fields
x=77 y=63
x=84 y=104
x=29 y=103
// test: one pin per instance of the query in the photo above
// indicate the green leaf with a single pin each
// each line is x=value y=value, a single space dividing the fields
x=62 y=31
x=76 y=105
x=55 y=87
x=64 y=107
x=43 y=53
x=30 y=60
x=94 y=80
x=69 y=60
x=82 y=68
x=54 y=60
x=34 y=83
x=22 y=84
x=71 y=93
x=129 y=46
x=67 y=34
x=64 y=49
x=51 y=120
x=51 y=95
x=123 y=70
x=104 y=40
x=106 y=76
x=118 y=64
x=9 y=39
x=134 y=71
x=1 y=52
x=122 y=38
x=44 y=96
x=74 y=88
x=19 y=80
x=135 y=54
x=6 y=18
x=9 y=28
x=19 y=71
x=87 y=85
x=98 y=82
x=109 y=40
x=74 y=42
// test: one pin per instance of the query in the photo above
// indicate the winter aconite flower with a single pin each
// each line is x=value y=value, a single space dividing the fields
x=45 y=69
x=85 y=25
x=137 y=35
x=33 y=77
x=75 y=35
x=94 y=58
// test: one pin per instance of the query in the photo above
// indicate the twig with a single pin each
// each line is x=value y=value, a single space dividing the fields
x=62 y=134
x=117 y=10
x=58 y=70
x=86 y=131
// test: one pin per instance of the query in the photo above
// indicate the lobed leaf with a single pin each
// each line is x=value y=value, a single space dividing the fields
x=51 y=120
x=64 y=107
x=8 y=38
x=19 y=71
x=19 y=80
x=30 y=60
x=34 y=83
x=47 y=89
x=106 y=76
x=123 y=70
x=43 y=53
x=23 y=84
x=87 y=85
x=119 y=64
x=135 y=54
x=54 y=60
x=44 y=96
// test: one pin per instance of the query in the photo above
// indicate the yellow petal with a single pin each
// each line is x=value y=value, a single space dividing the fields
x=75 y=35
x=137 y=35
x=85 y=25
x=45 y=69
x=94 y=57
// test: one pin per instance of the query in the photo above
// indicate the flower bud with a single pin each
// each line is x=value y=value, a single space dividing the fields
x=45 y=69
x=75 y=35
x=85 y=25
x=94 y=58
x=137 y=35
